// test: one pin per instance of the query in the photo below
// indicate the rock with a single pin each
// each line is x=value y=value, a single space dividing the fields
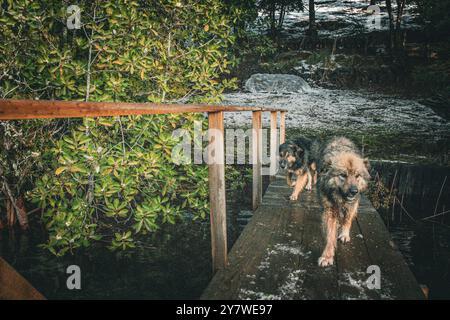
x=278 y=83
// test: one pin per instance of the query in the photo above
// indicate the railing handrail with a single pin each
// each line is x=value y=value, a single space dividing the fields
x=11 y=109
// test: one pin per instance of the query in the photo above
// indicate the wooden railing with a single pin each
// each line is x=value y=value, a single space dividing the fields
x=39 y=109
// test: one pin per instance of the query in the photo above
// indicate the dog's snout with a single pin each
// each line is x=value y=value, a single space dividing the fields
x=283 y=164
x=353 y=190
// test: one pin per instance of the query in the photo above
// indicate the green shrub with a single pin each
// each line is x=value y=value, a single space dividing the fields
x=99 y=179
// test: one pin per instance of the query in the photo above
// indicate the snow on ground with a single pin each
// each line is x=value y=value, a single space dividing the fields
x=326 y=109
x=341 y=18
x=276 y=83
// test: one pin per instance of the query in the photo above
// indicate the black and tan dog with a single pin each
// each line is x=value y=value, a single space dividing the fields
x=343 y=175
x=295 y=157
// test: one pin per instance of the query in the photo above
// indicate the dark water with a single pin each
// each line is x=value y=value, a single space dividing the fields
x=419 y=222
x=426 y=248
x=174 y=264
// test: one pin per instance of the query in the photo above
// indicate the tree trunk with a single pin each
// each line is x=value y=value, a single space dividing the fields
x=10 y=214
x=16 y=212
x=312 y=21
x=281 y=16
x=22 y=213
x=398 y=21
x=272 y=19
x=391 y=23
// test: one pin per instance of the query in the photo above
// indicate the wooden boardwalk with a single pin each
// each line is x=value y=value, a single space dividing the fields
x=276 y=256
x=15 y=287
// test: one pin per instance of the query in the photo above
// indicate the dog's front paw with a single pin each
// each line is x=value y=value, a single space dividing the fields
x=293 y=183
x=325 y=261
x=308 y=187
x=344 y=237
x=293 y=197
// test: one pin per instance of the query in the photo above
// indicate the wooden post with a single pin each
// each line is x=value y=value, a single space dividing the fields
x=257 y=163
x=273 y=144
x=217 y=202
x=283 y=127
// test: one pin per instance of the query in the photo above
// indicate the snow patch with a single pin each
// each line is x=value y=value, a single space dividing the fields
x=292 y=280
x=292 y=287
x=359 y=111
x=276 y=83
x=358 y=281
x=282 y=248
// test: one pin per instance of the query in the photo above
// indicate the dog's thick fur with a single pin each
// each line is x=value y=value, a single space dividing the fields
x=295 y=157
x=343 y=175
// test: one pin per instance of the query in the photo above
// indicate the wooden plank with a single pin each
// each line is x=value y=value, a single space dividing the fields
x=14 y=287
x=397 y=280
x=39 y=109
x=276 y=256
x=278 y=193
x=245 y=256
x=273 y=144
x=277 y=275
x=280 y=182
x=352 y=261
x=257 y=159
x=216 y=167
x=282 y=127
x=319 y=283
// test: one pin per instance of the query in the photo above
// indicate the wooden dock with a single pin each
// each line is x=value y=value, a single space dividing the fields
x=276 y=255
x=15 y=287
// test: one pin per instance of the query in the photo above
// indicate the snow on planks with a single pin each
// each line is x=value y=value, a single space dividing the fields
x=276 y=256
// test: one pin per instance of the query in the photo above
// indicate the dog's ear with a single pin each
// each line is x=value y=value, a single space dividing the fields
x=299 y=152
x=367 y=165
x=293 y=148
x=284 y=147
